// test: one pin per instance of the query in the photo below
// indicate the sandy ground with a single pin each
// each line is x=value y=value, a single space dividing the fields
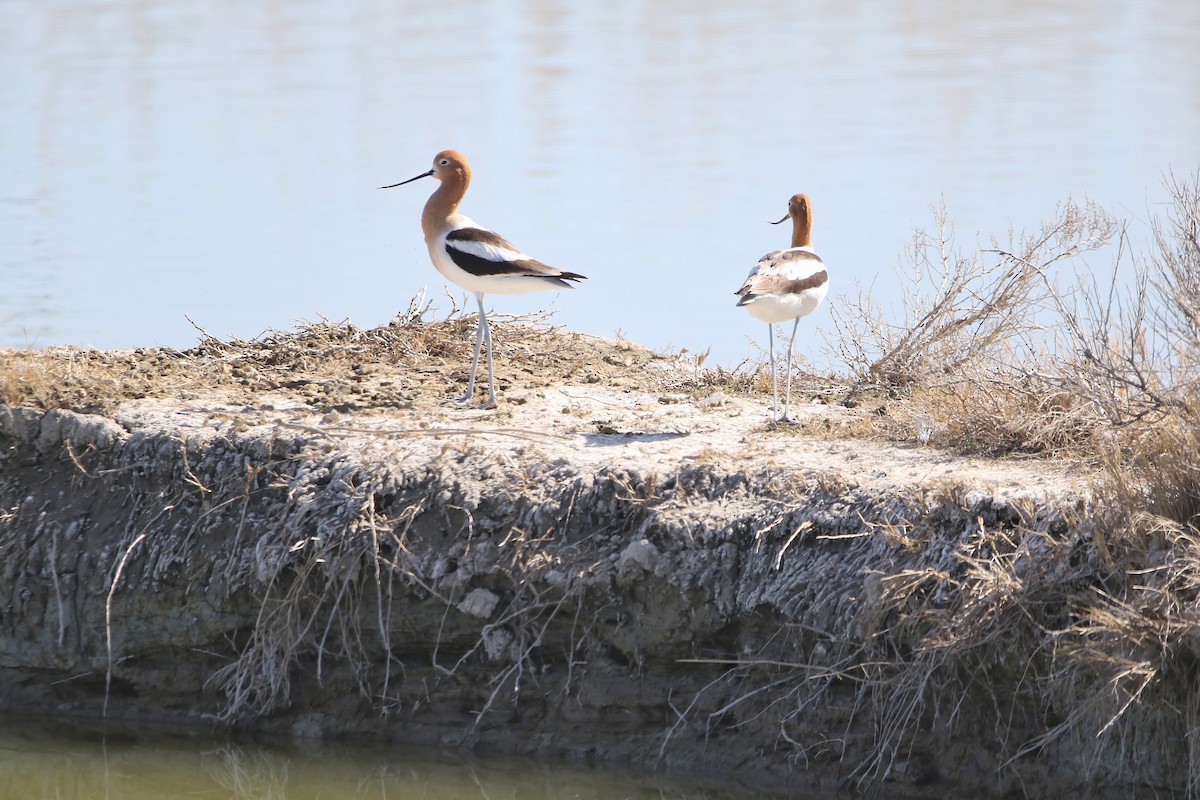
x=562 y=396
x=597 y=426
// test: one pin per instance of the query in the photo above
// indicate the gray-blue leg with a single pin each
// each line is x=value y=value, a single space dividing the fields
x=479 y=334
x=487 y=334
x=787 y=401
x=774 y=384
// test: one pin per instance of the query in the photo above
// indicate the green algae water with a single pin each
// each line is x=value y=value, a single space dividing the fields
x=43 y=760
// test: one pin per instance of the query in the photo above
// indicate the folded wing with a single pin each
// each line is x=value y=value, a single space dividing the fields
x=482 y=252
x=781 y=273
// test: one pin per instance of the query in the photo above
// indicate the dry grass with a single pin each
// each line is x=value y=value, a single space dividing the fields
x=338 y=367
x=1026 y=347
x=957 y=364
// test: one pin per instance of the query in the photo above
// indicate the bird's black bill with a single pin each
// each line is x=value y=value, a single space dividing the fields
x=410 y=180
x=785 y=216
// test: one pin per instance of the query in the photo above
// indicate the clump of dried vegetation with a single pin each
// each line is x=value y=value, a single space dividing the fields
x=1025 y=346
x=334 y=366
x=969 y=349
x=1005 y=351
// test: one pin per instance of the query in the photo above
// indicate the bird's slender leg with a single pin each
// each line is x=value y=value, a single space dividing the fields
x=479 y=333
x=787 y=401
x=774 y=383
x=487 y=334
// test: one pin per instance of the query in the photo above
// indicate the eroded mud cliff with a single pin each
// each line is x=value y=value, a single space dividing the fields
x=670 y=586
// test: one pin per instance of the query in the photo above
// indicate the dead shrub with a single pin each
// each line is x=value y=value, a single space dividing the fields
x=955 y=309
x=965 y=347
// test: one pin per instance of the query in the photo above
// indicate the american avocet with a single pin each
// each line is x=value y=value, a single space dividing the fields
x=477 y=259
x=786 y=284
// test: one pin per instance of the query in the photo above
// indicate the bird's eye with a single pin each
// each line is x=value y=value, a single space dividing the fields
x=444 y=162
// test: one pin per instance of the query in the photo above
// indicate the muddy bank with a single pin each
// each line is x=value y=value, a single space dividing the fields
x=670 y=586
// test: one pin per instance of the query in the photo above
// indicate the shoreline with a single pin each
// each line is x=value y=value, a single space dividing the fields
x=596 y=572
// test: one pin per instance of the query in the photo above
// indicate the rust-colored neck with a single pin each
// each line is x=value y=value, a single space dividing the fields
x=802 y=227
x=443 y=203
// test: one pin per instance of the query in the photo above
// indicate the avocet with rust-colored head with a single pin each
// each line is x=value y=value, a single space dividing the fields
x=786 y=285
x=477 y=259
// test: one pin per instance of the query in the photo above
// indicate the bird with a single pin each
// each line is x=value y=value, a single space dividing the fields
x=476 y=258
x=786 y=284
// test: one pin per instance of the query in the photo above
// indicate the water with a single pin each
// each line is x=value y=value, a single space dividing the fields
x=165 y=159
x=162 y=160
x=39 y=760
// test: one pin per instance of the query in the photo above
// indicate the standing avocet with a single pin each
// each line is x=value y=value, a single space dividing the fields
x=786 y=284
x=477 y=259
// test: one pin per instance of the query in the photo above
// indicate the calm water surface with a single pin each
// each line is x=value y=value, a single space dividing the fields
x=165 y=159
x=39 y=760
